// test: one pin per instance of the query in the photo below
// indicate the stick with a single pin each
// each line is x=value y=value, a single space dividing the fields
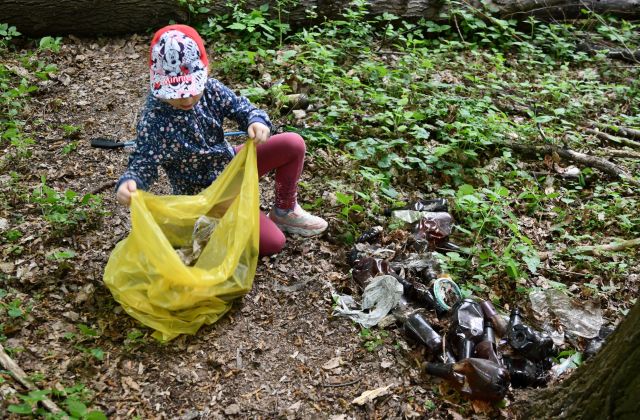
x=631 y=133
x=355 y=381
x=629 y=154
x=21 y=377
x=599 y=163
x=102 y=187
x=614 y=246
x=615 y=139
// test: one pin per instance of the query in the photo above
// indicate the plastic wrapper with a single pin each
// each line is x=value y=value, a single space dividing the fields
x=380 y=296
x=584 y=319
x=146 y=275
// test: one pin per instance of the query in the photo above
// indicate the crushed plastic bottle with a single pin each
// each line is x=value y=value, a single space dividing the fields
x=532 y=344
x=478 y=378
x=365 y=268
x=434 y=226
x=467 y=324
x=370 y=235
x=433 y=205
x=524 y=373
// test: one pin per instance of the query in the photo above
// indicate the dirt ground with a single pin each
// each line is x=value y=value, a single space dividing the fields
x=278 y=353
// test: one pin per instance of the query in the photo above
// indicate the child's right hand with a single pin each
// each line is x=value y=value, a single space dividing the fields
x=124 y=192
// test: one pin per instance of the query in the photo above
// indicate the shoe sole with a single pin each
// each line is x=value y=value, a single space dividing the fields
x=301 y=231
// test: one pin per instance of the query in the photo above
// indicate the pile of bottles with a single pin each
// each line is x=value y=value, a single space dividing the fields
x=478 y=350
x=481 y=351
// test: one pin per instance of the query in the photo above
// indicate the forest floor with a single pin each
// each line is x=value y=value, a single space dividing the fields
x=279 y=353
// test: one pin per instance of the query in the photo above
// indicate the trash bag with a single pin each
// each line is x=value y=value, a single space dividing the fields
x=146 y=275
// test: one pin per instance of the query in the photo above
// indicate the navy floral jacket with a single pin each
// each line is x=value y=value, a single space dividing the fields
x=189 y=145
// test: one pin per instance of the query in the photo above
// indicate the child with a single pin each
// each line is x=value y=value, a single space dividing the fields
x=180 y=129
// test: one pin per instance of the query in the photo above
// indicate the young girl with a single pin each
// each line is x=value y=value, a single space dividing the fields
x=180 y=130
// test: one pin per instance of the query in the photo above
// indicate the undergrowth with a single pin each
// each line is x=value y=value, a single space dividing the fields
x=419 y=109
x=428 y=109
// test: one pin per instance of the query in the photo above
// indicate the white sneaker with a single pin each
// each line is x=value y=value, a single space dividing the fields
x=298 y=221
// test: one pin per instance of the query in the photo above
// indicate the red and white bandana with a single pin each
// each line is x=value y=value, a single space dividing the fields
x=178 y=63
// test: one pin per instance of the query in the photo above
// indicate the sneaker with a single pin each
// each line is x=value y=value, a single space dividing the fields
x=299 y=222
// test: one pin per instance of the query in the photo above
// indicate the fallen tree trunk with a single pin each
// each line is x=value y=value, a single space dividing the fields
x=599 y=163
x=112 y=17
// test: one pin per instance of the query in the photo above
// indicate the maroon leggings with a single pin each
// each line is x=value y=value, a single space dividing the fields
x=284 y=153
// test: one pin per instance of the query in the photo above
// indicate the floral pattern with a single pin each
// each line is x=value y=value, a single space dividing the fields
x=189 y=145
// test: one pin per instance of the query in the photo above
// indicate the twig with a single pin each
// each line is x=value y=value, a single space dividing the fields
x=614 y=246
x=597 y=162
x=21 y=377
x=355 y=381
x=102 y=187
x=615 y=139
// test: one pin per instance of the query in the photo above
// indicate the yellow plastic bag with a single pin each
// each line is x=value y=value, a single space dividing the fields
x=147 y=277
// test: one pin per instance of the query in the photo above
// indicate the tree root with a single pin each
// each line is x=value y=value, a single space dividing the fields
x=21 y=377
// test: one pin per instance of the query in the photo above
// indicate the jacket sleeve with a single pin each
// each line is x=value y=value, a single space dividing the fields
x=148 y=155
x=239 y=108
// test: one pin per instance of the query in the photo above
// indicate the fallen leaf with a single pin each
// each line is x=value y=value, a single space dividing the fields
x=332 y=363
x=130 y=383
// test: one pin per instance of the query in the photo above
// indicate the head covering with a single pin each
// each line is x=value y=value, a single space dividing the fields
x=178 y=63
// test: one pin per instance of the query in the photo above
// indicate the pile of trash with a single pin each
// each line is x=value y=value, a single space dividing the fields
x=479 y=350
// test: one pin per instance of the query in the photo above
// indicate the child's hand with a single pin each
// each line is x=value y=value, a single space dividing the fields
x=124 y=192
x=258 y=132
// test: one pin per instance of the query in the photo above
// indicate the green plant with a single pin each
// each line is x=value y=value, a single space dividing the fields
x=372 y=340
x=86 y=334
x=488 y=218
x=12 y=235
x=253 y=28
x=135 y=338
x=49 y=43
x=7 y=33
x=16 y=308
x=68 y=211
x=71 y=131
x=74 y=400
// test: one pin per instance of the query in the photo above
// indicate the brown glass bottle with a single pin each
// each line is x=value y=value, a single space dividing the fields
x=417 y=326
x=486 y=348
x=490 y=313
x=478 y=378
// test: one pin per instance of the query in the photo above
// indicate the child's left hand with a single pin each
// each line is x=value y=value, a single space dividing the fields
x=258 y=132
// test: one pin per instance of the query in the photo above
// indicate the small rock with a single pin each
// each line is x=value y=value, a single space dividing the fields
x=232 y=410
x=294 y=407
x=4 y=224
x=72 y=316
x=386 y=364
x=7 y=267
x=299 y=114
